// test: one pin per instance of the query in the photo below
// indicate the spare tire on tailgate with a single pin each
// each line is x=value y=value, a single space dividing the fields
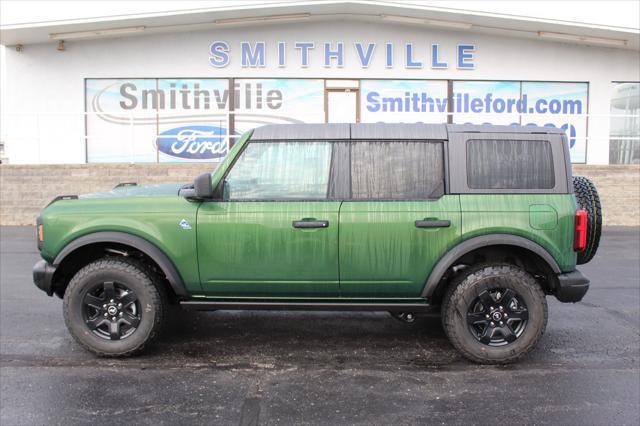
x=588 y=199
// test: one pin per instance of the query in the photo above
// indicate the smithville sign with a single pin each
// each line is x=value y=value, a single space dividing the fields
x=254 y=55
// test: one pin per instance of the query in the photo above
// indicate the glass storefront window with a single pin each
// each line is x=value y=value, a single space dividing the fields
x=530 y=103
x=486 y=102
x=156 y=120
x=403 y=101
x=175 y=120
x=277 y=101
x=624 y=142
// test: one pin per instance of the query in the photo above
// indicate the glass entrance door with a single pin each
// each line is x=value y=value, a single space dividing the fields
x=342 y=101
x=342 y=106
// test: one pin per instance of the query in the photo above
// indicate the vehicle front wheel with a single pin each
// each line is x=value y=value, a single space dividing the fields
x=494 y=314
x=114 y=307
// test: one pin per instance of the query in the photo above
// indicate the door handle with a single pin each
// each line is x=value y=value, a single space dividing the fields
x=306 y=224
x=433 y=223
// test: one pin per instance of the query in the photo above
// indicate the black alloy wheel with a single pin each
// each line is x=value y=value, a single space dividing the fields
x=111 y=310
x=494 y=313
x=497 y=317
x=115 y=306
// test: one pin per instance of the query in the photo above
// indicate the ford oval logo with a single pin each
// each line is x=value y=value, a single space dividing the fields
x=194 y=142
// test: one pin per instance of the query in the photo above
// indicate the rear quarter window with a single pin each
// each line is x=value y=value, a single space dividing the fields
x=509 y=164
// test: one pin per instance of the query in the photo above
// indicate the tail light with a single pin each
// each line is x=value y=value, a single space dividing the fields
x=580 y=231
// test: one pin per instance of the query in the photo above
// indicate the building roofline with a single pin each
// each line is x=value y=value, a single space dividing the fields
x=204 y=18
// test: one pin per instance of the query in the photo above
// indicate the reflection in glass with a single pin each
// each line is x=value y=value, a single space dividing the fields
x=624 y=142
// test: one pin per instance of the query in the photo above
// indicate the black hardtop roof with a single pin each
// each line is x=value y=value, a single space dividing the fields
x=397 y=131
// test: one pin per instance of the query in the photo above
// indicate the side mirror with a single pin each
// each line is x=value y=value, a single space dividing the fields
x=202 y=187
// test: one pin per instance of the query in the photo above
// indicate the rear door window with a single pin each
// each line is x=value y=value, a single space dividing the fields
x=397 y=170
x=509 y=164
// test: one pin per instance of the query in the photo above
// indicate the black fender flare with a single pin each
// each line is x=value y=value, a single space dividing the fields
x=474 y=243
x=139 y=243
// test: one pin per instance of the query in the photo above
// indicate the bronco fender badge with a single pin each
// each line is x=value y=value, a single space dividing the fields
x=184 y=224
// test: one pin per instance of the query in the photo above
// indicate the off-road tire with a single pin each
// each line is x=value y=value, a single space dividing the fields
x=468 y=286
x=136 y=276
x=589 y=200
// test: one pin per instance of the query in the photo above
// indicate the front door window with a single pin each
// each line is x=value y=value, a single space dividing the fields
x=280 y=171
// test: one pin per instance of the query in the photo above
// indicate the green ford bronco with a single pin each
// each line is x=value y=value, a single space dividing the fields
x=480 y=222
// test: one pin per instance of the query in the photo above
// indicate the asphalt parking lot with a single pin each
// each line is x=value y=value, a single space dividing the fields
x=323 y=368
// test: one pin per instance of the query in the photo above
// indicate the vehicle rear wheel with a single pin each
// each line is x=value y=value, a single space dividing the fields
x=589 y=200
x=114 y=307
x=494 y=314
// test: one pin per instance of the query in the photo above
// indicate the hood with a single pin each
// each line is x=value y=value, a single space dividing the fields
x=160 y=190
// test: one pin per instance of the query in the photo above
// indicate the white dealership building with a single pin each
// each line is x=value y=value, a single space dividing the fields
x=181 y=86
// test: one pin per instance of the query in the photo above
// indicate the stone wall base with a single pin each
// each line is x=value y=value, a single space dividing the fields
x=26 y=189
